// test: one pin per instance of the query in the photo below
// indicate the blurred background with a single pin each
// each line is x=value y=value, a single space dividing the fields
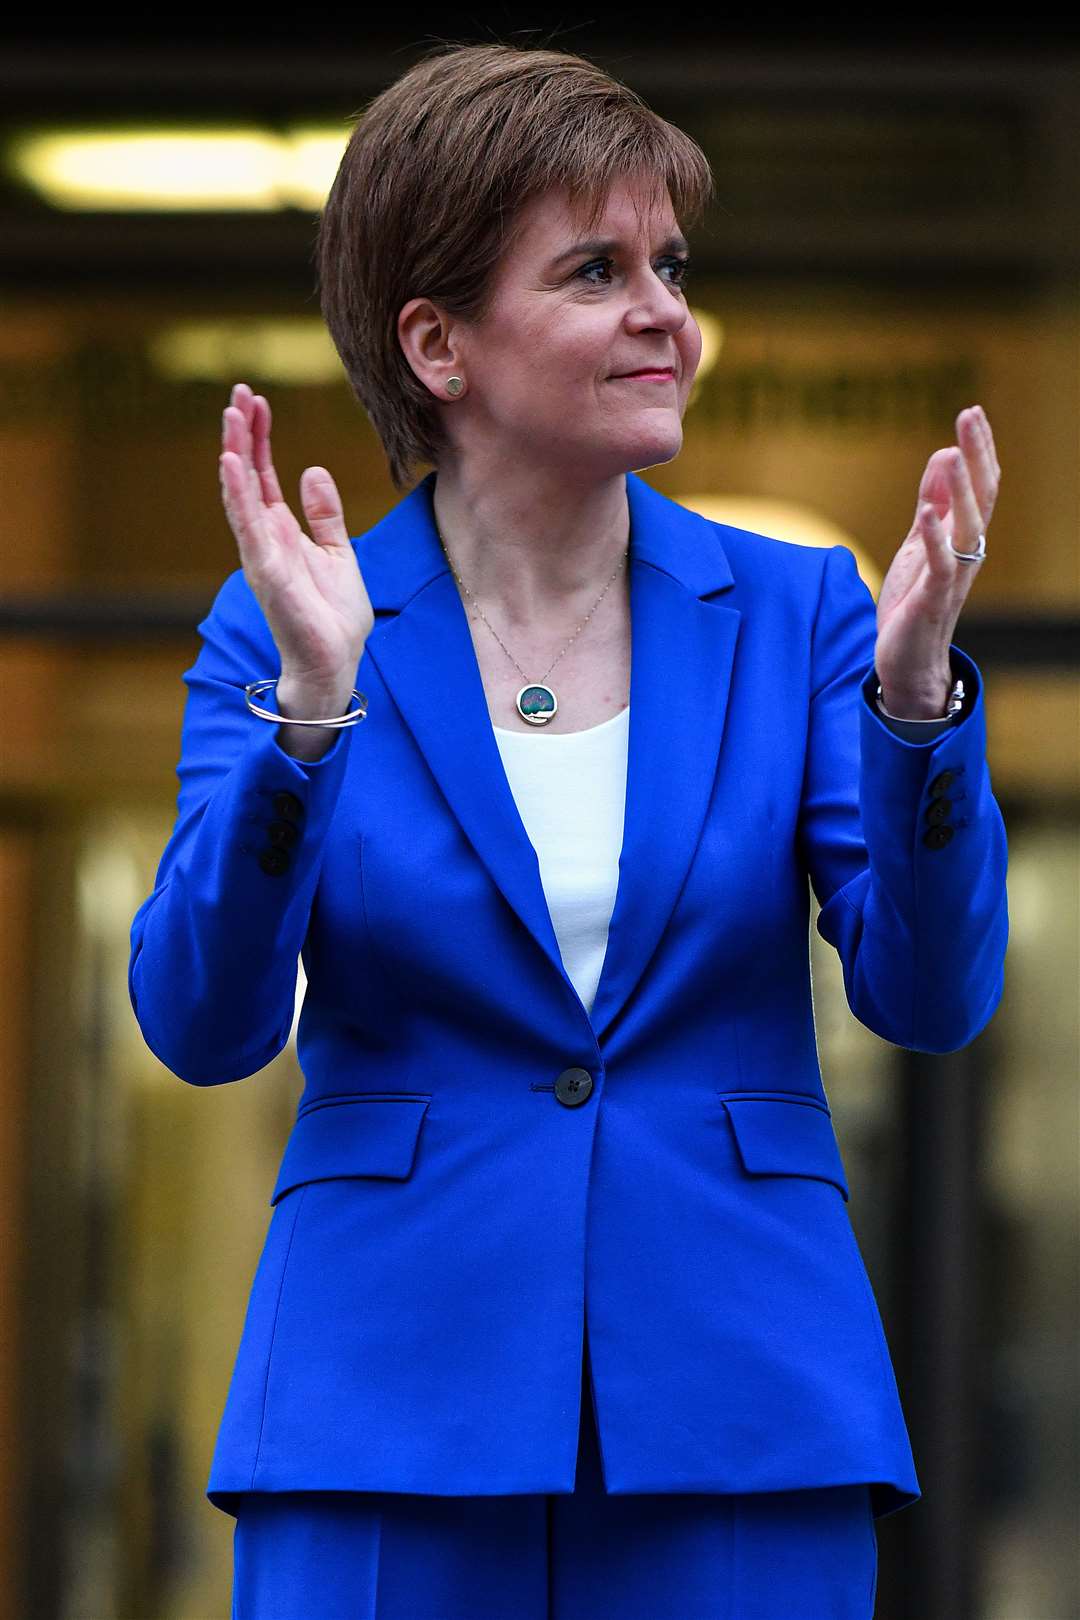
x=897 y=236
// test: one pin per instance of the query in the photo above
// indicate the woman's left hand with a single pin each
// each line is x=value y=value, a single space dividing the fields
x=926 y=586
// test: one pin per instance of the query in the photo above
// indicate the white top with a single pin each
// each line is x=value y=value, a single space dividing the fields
x=570 y=790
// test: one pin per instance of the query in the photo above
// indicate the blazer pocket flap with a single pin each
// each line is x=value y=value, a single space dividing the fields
x=781 y=1137
x=361 y=1136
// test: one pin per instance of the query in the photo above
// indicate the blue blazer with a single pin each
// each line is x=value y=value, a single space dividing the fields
x=452 y=1205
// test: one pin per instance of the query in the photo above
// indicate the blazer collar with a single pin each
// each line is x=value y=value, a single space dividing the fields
x=682 y=653
x=401 y=553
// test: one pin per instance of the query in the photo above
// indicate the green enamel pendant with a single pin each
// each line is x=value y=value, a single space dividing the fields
x=536 y=704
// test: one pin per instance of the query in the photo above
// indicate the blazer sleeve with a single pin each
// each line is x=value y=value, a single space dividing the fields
x=214 y=948
x=904 y=841
x=919 y=731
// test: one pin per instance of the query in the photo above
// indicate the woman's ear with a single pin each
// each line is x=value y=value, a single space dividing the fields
x=427 y=341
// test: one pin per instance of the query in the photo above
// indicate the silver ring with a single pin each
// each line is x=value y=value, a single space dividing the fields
x=971 y=556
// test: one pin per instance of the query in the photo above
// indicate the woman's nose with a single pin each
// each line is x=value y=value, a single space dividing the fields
x=658 y=306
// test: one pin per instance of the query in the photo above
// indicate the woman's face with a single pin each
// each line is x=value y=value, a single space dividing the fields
x=546 y=368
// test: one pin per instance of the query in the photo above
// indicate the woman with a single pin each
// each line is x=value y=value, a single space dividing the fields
x=563 y=1183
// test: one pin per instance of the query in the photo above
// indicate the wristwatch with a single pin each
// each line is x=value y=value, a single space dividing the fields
x=955 y=707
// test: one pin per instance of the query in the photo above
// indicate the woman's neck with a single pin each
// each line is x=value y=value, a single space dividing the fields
x=534 y=547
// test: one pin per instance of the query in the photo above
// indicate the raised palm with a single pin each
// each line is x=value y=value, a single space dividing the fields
x=926 y=586
x=310 y=588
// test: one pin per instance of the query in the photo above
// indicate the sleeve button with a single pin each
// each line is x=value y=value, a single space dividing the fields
x=274 y=861
x=283 y=833
x=287 y=806
x=938 y=837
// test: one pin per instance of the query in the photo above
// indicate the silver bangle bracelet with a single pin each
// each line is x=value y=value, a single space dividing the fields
x=338 y=722
x=956 y=704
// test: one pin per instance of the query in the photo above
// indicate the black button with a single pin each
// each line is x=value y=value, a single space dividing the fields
x=283 y=833
x=573 y=1087
x=274 y=861
x=938 y=837
x=941 y=784
x=939 y=811
x=287 y=806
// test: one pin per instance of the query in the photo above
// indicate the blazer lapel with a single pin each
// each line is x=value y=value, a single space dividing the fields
x=682 y=650
x=681 y=659
x=424 y=653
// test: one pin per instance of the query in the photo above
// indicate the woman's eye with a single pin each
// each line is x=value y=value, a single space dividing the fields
x=678 y=263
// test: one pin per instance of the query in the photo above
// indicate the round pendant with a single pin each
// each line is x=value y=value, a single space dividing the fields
x=537 y=704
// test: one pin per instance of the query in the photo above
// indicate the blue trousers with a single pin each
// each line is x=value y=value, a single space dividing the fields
x=371 y=1555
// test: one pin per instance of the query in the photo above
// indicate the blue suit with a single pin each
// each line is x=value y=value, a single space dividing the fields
x=453 y=1205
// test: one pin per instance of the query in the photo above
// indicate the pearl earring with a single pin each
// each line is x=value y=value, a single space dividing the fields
x=454 y=385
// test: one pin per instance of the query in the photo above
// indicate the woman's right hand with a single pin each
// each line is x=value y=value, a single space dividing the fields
x=311 y=590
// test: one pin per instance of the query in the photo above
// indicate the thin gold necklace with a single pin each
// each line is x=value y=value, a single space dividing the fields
x=536 y=702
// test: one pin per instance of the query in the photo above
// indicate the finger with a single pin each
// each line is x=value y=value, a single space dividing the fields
x=240 y=415
x=322 y=508
x=979 y=464
x=954 y=578
x=235 y=442
x=976 y=440
x=236 y=433
x=967 y=519
x=934 y=486
x=240 y=489
x=243 y=397
x=241 y=400
x=241 y=508
x=984 y=424
x=235 y=492
x=936 y=542
x=261 y=456
x=256 y=493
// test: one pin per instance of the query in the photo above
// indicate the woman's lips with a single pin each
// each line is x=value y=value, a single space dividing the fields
x=646 y=376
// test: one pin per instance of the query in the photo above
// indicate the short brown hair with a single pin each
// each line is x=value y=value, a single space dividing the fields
x=428 y=194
